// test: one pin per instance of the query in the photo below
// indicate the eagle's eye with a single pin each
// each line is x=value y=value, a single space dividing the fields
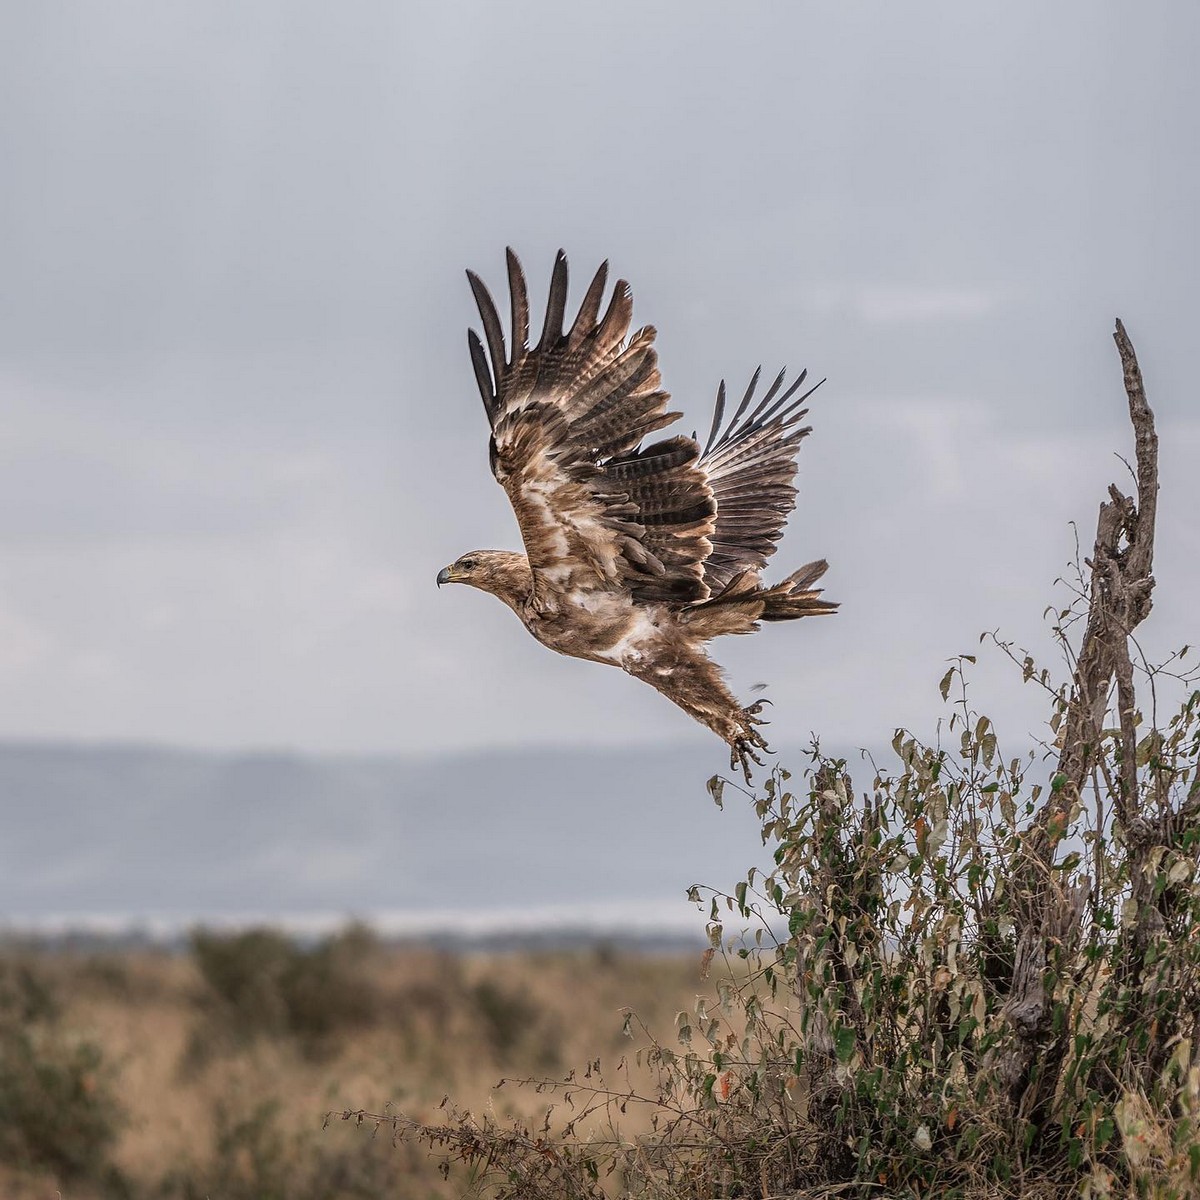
x=467 y=564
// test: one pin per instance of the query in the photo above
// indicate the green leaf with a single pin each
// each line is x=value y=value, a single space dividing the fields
x=844 y=1039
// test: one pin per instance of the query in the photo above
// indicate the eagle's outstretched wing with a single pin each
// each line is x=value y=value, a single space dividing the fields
x=567 y=417
x=749 y=467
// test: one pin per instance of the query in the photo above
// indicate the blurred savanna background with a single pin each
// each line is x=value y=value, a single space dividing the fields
x=285 y=830
x=208 y=1069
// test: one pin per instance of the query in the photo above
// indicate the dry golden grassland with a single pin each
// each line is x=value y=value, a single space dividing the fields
x=218 y=1066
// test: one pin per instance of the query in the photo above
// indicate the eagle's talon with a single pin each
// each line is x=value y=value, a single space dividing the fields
x=750 y=719
x=738 y=761
x=750 y=732
x=744 y=751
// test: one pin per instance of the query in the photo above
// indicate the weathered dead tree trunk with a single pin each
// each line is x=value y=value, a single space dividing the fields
x=1120 y=599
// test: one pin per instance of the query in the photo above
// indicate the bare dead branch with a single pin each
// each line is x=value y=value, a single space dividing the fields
x=1120 y=599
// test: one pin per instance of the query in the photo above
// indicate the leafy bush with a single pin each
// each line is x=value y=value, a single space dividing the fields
x=892 y=994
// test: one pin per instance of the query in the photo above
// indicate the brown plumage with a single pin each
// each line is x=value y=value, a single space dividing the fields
x=635 y=555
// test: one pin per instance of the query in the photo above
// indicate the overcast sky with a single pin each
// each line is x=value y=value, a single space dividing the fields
x=240 y=433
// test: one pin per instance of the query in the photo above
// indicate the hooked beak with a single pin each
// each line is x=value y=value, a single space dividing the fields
x=443 y=576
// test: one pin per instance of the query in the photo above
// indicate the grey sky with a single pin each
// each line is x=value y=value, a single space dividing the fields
x=240 y=433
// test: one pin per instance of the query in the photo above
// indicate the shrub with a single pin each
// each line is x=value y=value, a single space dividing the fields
x=58 y=1110
x=26 y=993
x=507 y=1014
x=263 y=983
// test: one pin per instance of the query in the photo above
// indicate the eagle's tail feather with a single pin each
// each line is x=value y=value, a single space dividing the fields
x=740 y=606
x=796 y=597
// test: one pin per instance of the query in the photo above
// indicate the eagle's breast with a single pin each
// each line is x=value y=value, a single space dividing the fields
x=602 y=626
x=636 y=640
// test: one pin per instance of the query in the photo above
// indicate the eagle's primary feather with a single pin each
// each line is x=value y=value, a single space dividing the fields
x=635 y=555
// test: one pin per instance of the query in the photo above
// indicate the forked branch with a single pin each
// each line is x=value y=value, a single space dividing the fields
x=1120 y=599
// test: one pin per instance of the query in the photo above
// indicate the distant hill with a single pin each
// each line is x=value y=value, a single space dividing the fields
x=110 y=837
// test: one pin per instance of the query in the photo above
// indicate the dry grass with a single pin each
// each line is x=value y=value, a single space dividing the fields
x=436 y=1024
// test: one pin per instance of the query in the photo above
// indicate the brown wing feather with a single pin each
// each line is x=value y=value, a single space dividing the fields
x=567 y=417
x=750 y=467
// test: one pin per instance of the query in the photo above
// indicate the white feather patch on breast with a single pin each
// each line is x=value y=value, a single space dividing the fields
x=635 y=643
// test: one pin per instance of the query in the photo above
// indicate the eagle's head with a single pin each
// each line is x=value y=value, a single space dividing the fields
x=504 y=573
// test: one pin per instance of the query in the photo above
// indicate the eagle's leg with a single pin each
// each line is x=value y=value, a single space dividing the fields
x=693 y=681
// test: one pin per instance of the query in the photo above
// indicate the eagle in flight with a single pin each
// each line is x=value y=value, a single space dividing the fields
x=636 y=554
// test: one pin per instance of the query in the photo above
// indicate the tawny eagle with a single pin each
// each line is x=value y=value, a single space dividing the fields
x=635 y=555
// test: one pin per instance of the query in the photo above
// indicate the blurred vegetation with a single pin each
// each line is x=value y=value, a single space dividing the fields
x=255 y=1157
x=147 y=1075
x=512 y=1018
x=263 y=983
x=59 y=1112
